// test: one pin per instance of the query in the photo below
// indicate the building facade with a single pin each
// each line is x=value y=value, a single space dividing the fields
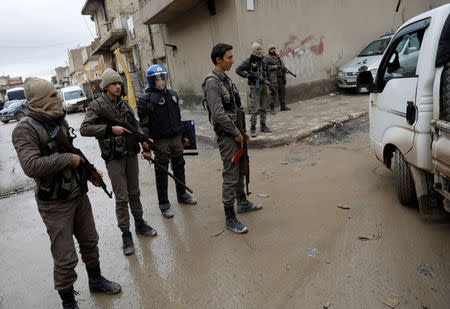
x=313 y=38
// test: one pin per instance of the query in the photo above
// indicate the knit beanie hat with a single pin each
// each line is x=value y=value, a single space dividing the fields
x=38 y=92
x=270 y=46
x=110 y=77
x=257 y=49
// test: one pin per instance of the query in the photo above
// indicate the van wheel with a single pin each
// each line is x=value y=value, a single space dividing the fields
x=19 y=116
x=403 y=181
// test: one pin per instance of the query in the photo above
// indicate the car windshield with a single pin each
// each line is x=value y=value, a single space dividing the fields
x=72 y=95
x=16 y=95
x=13 y=104
x=375 y=48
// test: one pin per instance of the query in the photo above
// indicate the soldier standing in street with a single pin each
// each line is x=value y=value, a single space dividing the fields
x=222 y=100
x=119 y=150
x=258 y=95
x=61 y=198
x=160 y=118
x=277 y=77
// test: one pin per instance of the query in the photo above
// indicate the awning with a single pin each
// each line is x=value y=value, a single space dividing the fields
x=162 y=11
x=108 y=40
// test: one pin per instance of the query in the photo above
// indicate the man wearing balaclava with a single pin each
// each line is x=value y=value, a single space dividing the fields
x=277 y=77
x=250 y=68
x=119 y=149
x=61 y=200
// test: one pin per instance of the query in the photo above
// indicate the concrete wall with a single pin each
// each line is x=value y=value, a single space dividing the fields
x=195 y=33
x=313 y=38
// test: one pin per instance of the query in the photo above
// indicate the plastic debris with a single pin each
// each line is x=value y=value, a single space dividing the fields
x=289 y=267
x=342 y=206
x=392 y=300
x=327 y=305
x=218 y=233
x=284 y=163
x=313 y=252
x=263 y=195
x=370 y=237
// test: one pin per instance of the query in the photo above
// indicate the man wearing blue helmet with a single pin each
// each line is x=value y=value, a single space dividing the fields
x=160 y=118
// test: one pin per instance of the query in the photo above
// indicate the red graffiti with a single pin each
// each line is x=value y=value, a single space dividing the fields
x=295 y=47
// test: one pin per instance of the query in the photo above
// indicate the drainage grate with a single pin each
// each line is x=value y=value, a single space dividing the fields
x=16 y=191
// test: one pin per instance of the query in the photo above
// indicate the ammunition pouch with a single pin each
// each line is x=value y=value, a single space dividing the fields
x=113 y=147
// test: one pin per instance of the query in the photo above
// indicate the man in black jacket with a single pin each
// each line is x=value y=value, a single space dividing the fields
x=160 y=119
x=258 y=95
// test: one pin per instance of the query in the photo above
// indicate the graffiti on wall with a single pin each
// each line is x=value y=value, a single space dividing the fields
x=298 y=54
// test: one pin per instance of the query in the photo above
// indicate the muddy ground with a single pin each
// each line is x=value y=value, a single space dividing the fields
x=302 y=249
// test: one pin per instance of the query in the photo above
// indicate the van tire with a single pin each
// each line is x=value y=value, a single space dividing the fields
x=403 y=181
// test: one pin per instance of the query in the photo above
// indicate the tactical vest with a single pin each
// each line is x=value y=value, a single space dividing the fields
x=61 y=185
x=115 y=147
x=165 y=113
x=230 y=99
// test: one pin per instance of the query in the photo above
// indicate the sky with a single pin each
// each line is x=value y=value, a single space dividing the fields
x=35 y=35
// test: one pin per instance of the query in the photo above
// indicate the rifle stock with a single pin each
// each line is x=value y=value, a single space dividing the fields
x=93 y=174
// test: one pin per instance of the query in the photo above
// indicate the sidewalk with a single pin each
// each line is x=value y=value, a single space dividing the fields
x=304 y=118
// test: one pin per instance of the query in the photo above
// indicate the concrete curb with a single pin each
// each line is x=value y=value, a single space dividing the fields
x=270 y=141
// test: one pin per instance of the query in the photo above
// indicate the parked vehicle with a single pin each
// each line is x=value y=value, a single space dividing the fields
x=15 y=94
x=14 y=109
x=73 y=98
x=409 y=111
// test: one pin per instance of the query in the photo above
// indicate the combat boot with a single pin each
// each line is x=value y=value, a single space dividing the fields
x=99 y=284
x=272 y=110
x=244 y=205
x=185 y=198
x=68 y=299
x=128 y=245
x=253 y=131
x=167 y=213
x=142 y=228
x=265 y=129
x=283 y=107
x=232 y=223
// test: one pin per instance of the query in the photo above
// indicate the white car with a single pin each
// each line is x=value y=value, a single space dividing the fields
x=73 y=98
x=409 y=111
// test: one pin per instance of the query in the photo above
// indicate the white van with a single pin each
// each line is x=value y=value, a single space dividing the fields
x=409 y=111
x=73 y=98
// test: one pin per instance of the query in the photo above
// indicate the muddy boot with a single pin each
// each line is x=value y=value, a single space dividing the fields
x=272 y=110
x=283 y=107
x=178 y=171
x=186 y=198
x=68 y=299
x=265 y=129
x=232 y=223
x=128 y=245
x=142 y=228
x=244 y=205
x=99 y=284
x=253 y=131
x=167 y=213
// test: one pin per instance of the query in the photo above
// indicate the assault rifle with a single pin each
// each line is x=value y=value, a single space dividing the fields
x=91 y=172
x=258 y=79
x=142 y=138
x=241 y=156
x=286 y=70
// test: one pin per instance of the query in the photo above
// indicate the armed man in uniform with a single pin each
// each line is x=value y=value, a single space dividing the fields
x=276 y=73
x=258 y=96
x=222 y=100
x=119 y=150
x=60 y=194
x=160 y=118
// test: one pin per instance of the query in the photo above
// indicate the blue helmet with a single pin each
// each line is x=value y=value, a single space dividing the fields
x=155 y=72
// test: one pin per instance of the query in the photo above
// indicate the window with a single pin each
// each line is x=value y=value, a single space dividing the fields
x=72 y=95
x=375 y=48
x=403 y=59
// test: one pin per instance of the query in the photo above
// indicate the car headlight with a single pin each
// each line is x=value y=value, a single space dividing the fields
x=340 y=73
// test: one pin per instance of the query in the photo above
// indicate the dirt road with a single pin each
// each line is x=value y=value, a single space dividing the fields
x=302 y=250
